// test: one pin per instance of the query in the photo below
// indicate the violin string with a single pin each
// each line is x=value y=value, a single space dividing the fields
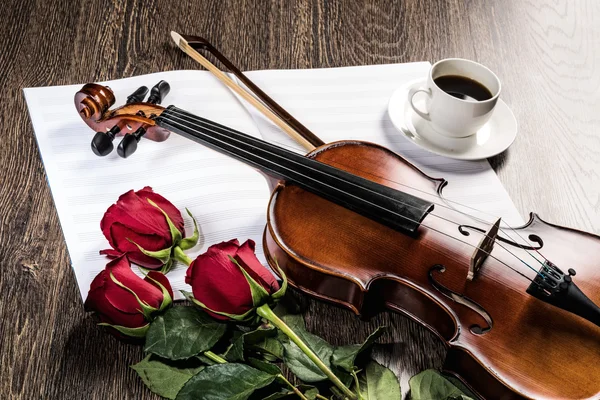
x=215 y=125
x=448 y=207
x=170 y=120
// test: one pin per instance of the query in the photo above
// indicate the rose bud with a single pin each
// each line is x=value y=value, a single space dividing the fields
x=124 y=301
x=229 y=282
x=146 y=227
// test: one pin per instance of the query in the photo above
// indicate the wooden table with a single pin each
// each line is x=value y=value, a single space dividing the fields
x=546 y=53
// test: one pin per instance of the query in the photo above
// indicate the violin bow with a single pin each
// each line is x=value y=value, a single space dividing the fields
x=268 y=107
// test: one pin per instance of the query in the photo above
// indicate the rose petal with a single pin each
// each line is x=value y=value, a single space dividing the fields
x=110 y=253
x=138 y=215
x=247 y=259
x=162 y=279
x=218 y=283
x=123 y=299
x=165 y=205
x=229 y=248
x=99 y=304
x=147 y=242
x=98 y=281
x=128 y=238
x=144 y=260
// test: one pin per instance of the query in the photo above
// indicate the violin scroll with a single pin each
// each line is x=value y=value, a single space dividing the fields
x=134 y=120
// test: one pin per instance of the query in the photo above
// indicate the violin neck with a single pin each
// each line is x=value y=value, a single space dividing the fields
x=398 y=210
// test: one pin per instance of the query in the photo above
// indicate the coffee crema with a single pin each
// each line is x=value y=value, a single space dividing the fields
x=463 y=88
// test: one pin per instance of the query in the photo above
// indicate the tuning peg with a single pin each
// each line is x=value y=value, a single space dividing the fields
x=138 y=95
x=102 y=142
x=158 y=92
x=128 y=144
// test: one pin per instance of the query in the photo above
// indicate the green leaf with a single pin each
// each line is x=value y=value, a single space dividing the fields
x=271 y=348
x=182 y=332
x=344 y=356
x=294 y=321
x=245 y=341
x=309 y=391
x=225 y=382
x=164 y=377
x=284 y=393
x=430 y=384
x=264 y=366
x=175 y=233
x=190 y=242
x=311 y=394
x=131 y=332
x=279 y=395
x=296 y=360
x=460 y=385
x=379 y=383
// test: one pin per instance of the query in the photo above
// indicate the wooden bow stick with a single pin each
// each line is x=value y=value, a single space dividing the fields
x=224 y=78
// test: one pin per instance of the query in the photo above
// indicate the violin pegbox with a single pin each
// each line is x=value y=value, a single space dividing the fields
x=133 y=120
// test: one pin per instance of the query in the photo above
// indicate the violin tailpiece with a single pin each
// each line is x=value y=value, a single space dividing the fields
x=553 y=286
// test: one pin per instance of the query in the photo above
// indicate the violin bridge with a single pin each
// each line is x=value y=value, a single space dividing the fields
x=483 y=250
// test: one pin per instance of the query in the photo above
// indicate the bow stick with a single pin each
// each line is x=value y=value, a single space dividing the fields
x=290 y=125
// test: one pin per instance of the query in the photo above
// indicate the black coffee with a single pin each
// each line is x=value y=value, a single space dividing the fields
x=463 y=88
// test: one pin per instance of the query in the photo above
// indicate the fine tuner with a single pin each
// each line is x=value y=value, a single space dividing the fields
x=133 y=121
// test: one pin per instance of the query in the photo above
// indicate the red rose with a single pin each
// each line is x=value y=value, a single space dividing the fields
x=126 y=302
x=223 y=287
x=134 y=222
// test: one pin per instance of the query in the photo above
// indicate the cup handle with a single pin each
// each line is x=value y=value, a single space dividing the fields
x=411 y=95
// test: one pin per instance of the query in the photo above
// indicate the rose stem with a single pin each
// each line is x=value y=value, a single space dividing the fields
x=214 y=357
x=179 y=255
x=268 y=314
x=294 y=388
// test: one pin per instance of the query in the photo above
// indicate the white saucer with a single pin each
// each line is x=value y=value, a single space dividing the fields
x=493 y=138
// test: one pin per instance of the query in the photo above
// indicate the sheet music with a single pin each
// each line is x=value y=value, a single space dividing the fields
x=227 y=198
x=351 y=103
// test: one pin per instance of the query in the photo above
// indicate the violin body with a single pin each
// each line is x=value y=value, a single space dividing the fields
x=502 y=342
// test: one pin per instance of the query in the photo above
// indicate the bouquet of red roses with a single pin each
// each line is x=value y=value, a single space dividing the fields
x=232 y=337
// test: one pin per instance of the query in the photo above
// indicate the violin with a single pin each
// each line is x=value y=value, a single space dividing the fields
x=357 y=225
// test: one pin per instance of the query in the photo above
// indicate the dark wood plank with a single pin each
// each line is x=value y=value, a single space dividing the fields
x=545 y=53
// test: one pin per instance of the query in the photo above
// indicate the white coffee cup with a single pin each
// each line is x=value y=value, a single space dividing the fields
x=452 y=116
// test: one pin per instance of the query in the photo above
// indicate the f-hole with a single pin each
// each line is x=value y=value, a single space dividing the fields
x=463 y=229
x=460 y=299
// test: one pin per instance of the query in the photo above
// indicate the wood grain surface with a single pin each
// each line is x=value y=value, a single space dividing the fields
x=546 y=53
